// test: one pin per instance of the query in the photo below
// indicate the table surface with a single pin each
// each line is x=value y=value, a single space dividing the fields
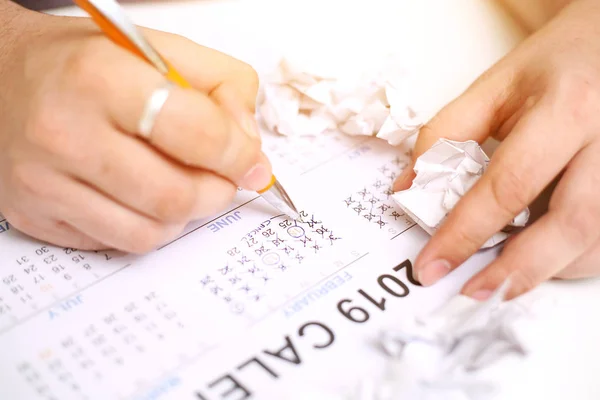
x=447 y=44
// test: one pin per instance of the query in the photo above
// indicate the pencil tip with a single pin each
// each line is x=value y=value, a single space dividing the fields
x=296 y=216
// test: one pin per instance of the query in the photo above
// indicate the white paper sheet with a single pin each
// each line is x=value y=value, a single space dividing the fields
x=444 y=173
x=246 y=301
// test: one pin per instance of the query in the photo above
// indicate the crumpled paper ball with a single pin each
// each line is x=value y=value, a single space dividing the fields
x=444 y=173
x=307 y=100
x=464 y=350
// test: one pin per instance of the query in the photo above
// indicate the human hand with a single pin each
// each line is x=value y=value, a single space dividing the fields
x=543 y=102
x=73 y=171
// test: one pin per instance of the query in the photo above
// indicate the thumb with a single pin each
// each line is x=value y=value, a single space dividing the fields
x=474 y=115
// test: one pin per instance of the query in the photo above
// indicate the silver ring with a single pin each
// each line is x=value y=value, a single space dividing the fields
x=153 y=106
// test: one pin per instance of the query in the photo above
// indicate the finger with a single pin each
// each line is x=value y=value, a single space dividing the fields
x=112 y=224
x=556 y=240
x=190 y=128
x=230 y=97
x=232 y=83
x=523 y=261
x=141 y=178
x=519 y=170
x=36 y=218
x=53 y=232
x=585 y=266
x=198 y=132
x=475 y=115
x=88 y=211
x=191 y=58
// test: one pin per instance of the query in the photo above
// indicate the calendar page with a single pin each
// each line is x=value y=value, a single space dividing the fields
x=245 y=304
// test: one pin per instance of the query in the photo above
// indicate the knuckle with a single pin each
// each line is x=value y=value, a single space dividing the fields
x=82 y=67
x=175 y=203
x=218 y=135
x=48 y=131
x=205 y=129
x=578 y=94
x=579 y=226
x=469 y=243
x=511 y=191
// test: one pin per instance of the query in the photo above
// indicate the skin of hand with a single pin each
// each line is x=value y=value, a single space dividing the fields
x=533 y=14
x=73 y=171
x=542 y=101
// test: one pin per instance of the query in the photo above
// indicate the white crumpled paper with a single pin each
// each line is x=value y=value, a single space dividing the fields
x=466 y=350
x=307 y=100
x=442 y=355
x=444 y=174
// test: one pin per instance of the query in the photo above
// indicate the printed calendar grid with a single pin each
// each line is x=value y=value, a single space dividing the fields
x=264 y=254
x=373 y=204
x=102 y=350
x=60 y=300
x=194 y=358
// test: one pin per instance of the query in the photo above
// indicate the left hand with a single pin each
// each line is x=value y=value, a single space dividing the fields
x=543 y=102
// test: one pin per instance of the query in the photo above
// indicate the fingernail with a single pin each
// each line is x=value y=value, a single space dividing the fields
x=257 y=178
x=432 y=272
x=482 y=294
x=250 y=126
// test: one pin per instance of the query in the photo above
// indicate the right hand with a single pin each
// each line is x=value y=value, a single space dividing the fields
x=73 y=172
x=541 y=101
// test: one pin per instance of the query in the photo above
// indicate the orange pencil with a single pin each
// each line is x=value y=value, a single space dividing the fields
x=112 y=20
